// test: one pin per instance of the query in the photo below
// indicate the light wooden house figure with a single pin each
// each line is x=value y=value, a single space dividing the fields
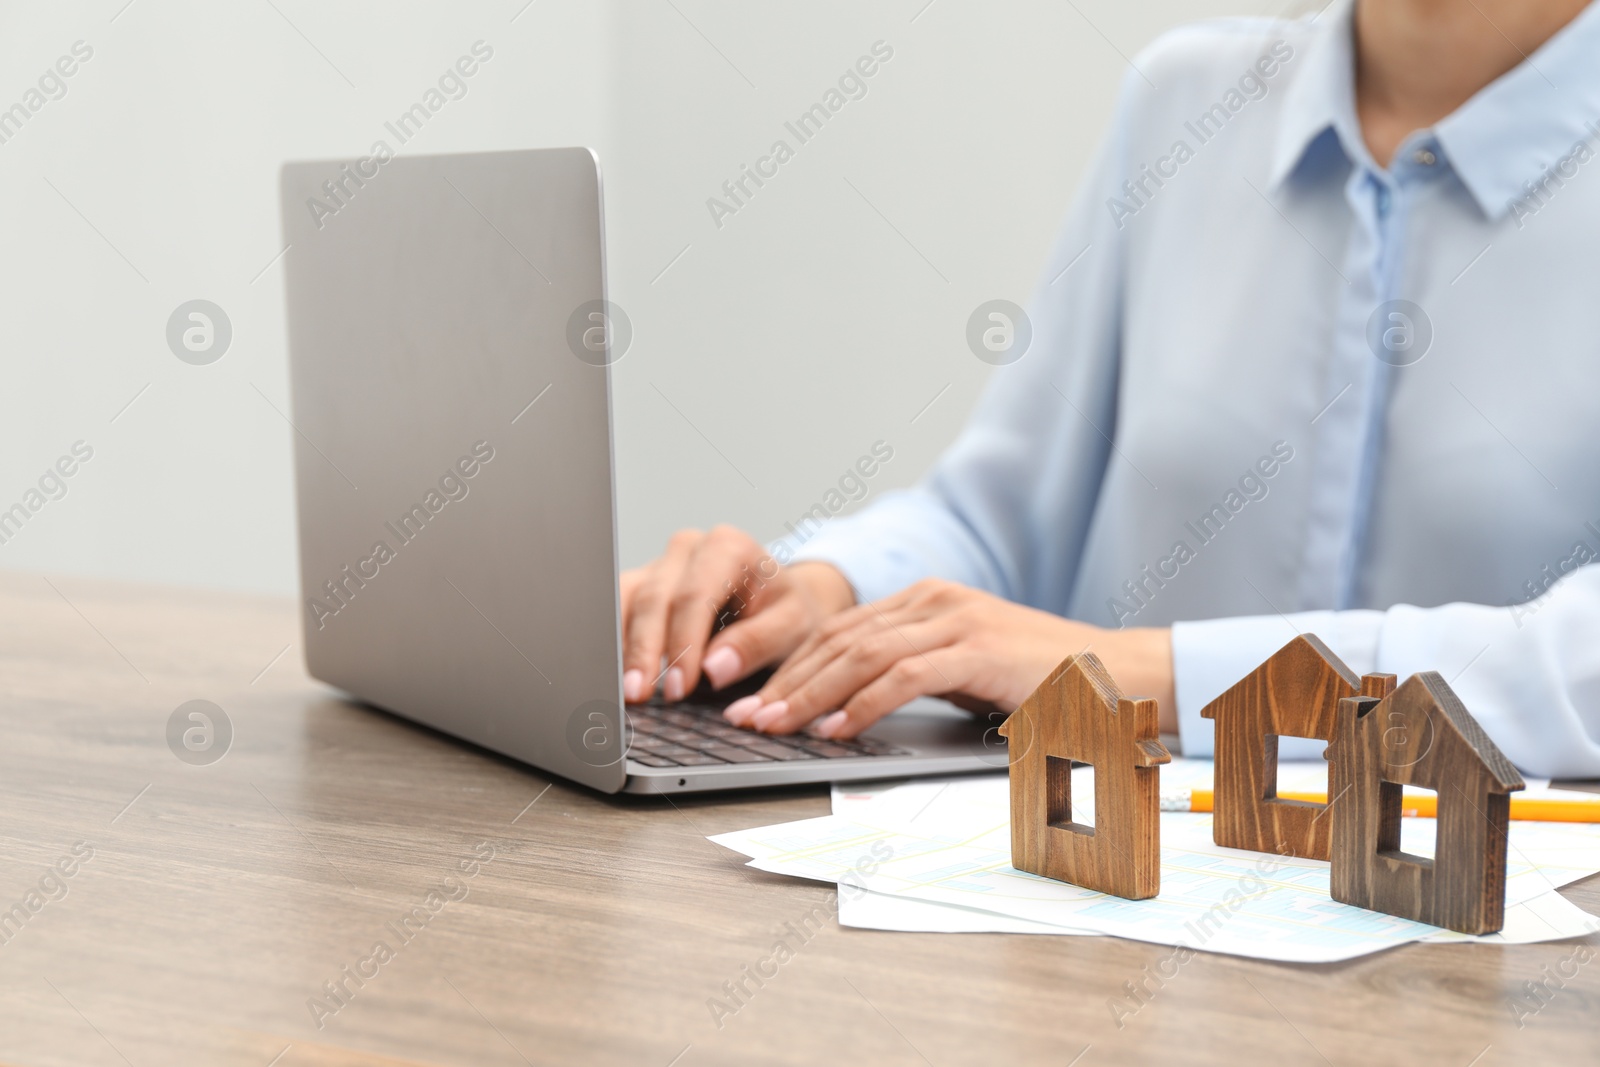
x=1420 y=735
x=1295 y=693
x=1080 y=714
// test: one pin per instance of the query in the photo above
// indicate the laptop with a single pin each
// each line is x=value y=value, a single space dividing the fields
x=451 y=349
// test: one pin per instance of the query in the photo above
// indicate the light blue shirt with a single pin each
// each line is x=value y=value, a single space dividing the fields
x=1202 y=434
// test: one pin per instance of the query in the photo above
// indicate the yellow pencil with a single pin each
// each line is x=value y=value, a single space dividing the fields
x=1525 y=809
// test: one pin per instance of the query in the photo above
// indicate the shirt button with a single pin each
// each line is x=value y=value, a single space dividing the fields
x=1425 y=157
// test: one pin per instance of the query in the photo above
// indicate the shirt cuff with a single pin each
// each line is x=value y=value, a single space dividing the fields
x=1208 y=657
x=871 y=574
x=874 y=548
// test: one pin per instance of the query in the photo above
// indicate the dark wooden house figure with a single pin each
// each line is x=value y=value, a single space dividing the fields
x=1420 y=735
x=1295 y=693
x=1080 y=714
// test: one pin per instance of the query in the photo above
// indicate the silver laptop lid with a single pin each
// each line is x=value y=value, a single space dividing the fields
x=451 y=400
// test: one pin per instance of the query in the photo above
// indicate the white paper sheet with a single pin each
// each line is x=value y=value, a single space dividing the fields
x=934 y=855
x=1547 y=917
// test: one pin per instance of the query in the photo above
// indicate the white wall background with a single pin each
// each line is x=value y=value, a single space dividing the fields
x=769 y=355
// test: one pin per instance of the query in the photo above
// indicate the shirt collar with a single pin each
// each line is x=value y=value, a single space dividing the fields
x=1321 y=96
x=1509 y=133
x=1525 y=121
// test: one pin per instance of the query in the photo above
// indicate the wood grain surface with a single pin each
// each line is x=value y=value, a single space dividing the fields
x=1295 y=693
x=219 y=899
x=1421 y=735
x=1079 y=713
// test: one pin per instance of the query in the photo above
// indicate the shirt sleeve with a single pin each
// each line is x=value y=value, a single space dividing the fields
x=1529 y=673
x=1007 y=507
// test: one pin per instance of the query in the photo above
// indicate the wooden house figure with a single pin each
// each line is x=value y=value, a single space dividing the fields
x=1420 y=735
x=1295 y=693
x=1080 y=714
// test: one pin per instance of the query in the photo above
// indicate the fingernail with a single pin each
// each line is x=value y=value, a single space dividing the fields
x=770 y=714
x=740 y=710
x=633 y=686
x=672 y=689
x=828 y=725
x=723 y=665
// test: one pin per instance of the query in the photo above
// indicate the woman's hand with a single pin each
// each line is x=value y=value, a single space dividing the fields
x=938 y=638
x=671 y=605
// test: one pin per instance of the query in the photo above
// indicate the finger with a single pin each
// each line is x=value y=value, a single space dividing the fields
x=940 y=671
x=751 y=643
x=628 y=583
x=847 y=674
x=843 y=633
x=913 y=604
x=724 y=570
x=645 y=624
x=794 y=669
x=829 y=641
x=630 y=580
x=841 y=622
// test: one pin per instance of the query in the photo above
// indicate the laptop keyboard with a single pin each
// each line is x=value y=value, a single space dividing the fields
x=696 y=735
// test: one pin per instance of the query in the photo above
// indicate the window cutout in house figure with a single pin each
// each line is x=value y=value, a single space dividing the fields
x=1063 y=814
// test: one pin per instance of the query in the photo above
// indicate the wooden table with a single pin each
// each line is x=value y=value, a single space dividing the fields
x=220 y=898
